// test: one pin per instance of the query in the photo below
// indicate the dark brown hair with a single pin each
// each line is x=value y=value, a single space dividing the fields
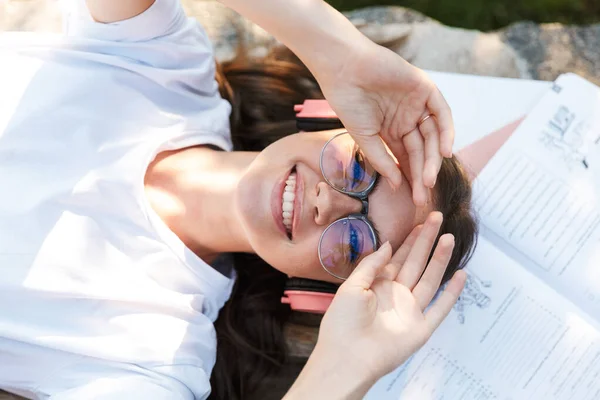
x=251 y=345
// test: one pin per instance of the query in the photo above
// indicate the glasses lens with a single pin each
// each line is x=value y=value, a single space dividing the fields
x=343 y=244
x=345 y=167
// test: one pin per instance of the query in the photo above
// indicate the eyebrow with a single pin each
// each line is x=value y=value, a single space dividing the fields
x=375 y=187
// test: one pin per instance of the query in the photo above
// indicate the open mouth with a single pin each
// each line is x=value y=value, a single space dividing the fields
x=287 y=202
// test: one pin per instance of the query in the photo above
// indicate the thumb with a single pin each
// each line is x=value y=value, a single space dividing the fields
x=368 y=269
x=376 y=152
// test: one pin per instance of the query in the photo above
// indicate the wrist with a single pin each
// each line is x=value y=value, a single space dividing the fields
x=337 y=56
x=329 y=42
x=330 y=374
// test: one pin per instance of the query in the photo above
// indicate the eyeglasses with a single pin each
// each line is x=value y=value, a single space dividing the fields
x=345 y=242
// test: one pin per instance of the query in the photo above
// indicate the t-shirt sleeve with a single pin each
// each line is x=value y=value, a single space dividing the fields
x=127 y=387
x=162 y=18
x=168 y=59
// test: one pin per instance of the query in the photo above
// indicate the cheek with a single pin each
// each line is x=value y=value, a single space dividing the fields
x=291 y=147
x=253 y=206
x=296 y=260
x=299 y=260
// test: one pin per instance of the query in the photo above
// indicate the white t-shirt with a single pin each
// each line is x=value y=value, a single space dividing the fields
x=98 y=298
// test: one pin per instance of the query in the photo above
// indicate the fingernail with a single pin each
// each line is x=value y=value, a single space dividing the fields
x=384 y=247
x=435 y=217
x=460 y=275
x=395 y=183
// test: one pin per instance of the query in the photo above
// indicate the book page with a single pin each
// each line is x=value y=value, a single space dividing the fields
x=509 y=337
x=539 y=196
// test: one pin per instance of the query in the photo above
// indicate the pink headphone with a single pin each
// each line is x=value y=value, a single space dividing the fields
x=307 y=295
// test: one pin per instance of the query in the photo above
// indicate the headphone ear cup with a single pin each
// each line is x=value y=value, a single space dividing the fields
x=308 y=295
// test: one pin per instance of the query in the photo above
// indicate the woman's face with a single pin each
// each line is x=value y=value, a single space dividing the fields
x=316 y=205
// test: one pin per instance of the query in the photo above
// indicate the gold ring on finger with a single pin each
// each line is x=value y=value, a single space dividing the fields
x=425 y=118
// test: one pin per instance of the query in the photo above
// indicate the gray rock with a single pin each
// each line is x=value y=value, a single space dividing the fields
x=387 y=15
x=553 y=49
x=433 y=46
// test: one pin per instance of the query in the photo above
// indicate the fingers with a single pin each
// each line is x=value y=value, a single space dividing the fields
x=393 y=268
x=432 y=277
x=433 y=157
x=445 y=301
x=438 y=106
x=368 y=269
x=414 y=145
x=417 y=258
x=377 y=154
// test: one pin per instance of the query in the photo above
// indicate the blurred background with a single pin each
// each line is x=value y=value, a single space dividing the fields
x=491 y=14
x=531 y=39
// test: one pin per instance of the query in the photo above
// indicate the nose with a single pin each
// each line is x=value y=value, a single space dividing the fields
x=332 y=205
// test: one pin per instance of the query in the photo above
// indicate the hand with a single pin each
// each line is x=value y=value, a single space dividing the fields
x=377 y=317
x=380 y=98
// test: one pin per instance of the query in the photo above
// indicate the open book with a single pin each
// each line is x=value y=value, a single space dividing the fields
x=527 y=325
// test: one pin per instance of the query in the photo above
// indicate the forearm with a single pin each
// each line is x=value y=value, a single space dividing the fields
x=321 y=36
x=326 y=377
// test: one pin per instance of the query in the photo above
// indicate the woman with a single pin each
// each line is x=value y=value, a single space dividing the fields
x=249 y=328
x=116 y=199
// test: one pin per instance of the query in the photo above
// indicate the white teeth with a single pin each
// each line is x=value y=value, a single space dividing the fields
x=288 y=196
x=287 y=201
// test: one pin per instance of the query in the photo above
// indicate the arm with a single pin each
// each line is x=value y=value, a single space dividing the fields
x=107 y=11
x=315 y=31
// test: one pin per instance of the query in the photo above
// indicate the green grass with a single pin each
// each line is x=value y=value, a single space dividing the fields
x=492 y=14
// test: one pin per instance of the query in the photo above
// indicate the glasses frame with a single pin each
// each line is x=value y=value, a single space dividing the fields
x=363 y=196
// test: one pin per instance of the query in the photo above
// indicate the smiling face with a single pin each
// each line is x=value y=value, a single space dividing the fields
x=289 y=241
